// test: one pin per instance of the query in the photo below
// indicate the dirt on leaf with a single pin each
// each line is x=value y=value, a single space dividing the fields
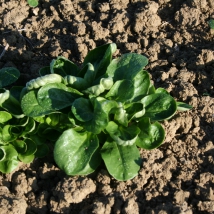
x=178 y=177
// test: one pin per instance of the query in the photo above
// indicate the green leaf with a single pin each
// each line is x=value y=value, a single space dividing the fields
x=43 y=80
x=93 y=113
x=29 y=128
x=96 y=90
x=82 y=109
x=10 y=133
x=135 y=110
x=16 y=91
x=56 y=96
x=127 y=66
x=73 y=152
x=9 y=103
x=159 y=106
x=58 y=120
x=211 y=23
x=9 y=160
x=124 y=136
x=183 y=106
x=121 y=91
x=90 y=74
x=122 y=162
x=31 y=147
x=26 y=159
x=20 y=146
x=76 y=82
x=151 y=135
x=5 y=116
x=152 y=89
x=31 y=107
x=120 y=115
x=8 y=76
x=100 y=58
x=33 y=3
x=161 y=90
x=63 y=67
x=141 y=85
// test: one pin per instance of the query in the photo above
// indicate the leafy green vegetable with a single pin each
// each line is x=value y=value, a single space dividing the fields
x=8 y=76
x=106 y=110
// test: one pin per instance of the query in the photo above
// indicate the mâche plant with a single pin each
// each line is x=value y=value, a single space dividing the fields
x=105 y=111
x=18 y=139
x=110 y=107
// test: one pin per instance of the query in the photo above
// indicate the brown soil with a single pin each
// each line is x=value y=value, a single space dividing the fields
x=178 y=177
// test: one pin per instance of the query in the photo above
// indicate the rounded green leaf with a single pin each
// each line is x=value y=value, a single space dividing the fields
x=159 y=106
x=33 y=3
x=9 y=161
x=26 y=159
x=56 y=96
x=127 y=66
x=82 y=109
x=31 y=107
x=5 y=116
x=8 y=76
x=73 y=152
x=20 y=146
x=100 y=58
x=151 y=135
x=122 y=162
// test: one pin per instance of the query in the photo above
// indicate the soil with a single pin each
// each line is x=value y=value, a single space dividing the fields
x=178 y=177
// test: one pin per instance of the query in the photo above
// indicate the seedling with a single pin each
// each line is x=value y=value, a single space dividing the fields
x=33 y=3
x=211 y=24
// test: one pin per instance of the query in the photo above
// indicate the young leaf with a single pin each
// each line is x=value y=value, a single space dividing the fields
x=141 y=85
x=124 y=136
x=100 y=58
x=33 y=3
x=9 y=103
x=96 y=90
x=183 y=106
x=211 y=23
x=82 y=109
x=76 y=82
x=127 y=66
x=73 y=152
x=151 y=135
x=121 y=91
x=122 y=162
x=8 y=76
x=159 y=106
x=5 y=116
x=9 y=160
x=63 y=67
